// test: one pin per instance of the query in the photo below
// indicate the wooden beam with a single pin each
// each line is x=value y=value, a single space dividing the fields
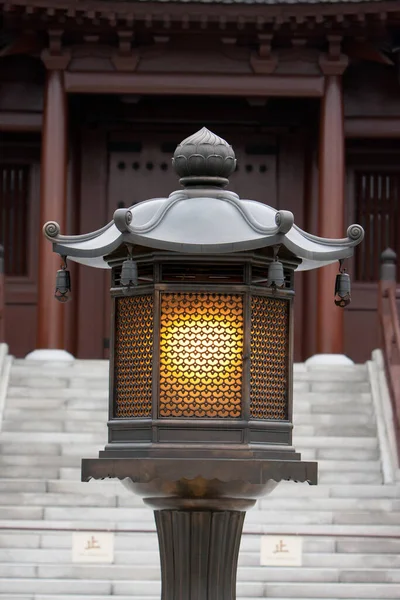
x=372 y=127
x=193 y=84
x=20 y=121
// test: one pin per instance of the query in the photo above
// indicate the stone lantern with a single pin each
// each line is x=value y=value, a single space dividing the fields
x=200 y=411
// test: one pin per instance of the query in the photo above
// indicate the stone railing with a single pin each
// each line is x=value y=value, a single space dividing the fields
x=389 y=323
x=2 y=295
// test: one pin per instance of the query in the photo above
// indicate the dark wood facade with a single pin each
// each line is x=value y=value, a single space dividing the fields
x=94 y=102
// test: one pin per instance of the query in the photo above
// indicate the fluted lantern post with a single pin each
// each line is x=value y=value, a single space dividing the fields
x=200 y=417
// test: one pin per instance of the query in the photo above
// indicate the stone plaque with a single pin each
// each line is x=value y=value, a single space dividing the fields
x=284 y=551
x=92 y=547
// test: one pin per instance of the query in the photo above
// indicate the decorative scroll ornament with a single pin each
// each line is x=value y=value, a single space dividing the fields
x=122 y=219
x=51 y=229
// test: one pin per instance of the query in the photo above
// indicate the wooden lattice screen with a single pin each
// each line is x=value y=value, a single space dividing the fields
x=14 y=218
x=378 y=211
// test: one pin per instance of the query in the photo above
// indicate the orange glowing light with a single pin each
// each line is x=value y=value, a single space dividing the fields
x=201 y=350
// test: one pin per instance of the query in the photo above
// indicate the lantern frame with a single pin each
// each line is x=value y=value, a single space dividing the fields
x=233 y=435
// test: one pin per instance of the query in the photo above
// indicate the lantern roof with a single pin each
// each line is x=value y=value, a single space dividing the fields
x=203 y=218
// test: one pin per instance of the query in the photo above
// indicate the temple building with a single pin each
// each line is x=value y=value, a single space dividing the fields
x=96 y=95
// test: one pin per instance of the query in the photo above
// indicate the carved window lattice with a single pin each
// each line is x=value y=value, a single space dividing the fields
x=14 y=217
x=133 y=356
x=378 y=211
x=201 y=353
x=269 y=358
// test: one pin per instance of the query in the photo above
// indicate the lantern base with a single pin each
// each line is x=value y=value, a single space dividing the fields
x=188 y=481
x=199 y=552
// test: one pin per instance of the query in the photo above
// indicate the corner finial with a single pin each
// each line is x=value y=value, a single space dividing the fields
x=204 y=159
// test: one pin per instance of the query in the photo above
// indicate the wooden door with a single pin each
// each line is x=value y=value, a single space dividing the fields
x=19 y=234
x=140 y=168
x=374 y=202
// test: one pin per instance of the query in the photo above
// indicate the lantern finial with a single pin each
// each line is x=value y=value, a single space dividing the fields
x=204 y=159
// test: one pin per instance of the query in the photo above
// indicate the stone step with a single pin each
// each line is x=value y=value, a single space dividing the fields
x=94 y=500
x=56 y=586
x=332 y=373
x=130 y=597
x=317 y=504
x=329 y=387
x=357 y=420
x=359 y=454
x=349 y=478
x=69 y=506
x=36 y=555
x=251 y=529
x=352 y=553
x=81 y=394
x=55 y=416
x=134 y=573
x=22 y=485
x=21 y=512
x=140 y=515
x=334 y=590
x=367 y=517
x=27 y=472
x=145 y=544
x=327 y=431
x=54 y=437
x=331 y=401
x=48 y=425
x=49 y=449
x=76 y=403
x=38 y=460
x=78 y=363
x=362 y=491
x=339 y=441
x=343 y=466
x=147 y=573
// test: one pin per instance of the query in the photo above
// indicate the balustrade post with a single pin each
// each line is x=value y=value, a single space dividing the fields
x=2 y=295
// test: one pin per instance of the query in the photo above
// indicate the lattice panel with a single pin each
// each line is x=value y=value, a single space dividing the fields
x=201 y=353
x=269 y=358
x=133 y=356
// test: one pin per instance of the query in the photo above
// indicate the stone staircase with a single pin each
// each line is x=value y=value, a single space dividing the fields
x=56 y=413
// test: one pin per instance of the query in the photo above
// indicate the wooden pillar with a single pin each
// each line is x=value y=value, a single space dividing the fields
x=53 y=207
x=330 y=212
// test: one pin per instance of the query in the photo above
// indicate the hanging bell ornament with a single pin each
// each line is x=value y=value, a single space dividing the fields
x=342 y=288
x=129 y=274
x=276 y=276
x=63 y=284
